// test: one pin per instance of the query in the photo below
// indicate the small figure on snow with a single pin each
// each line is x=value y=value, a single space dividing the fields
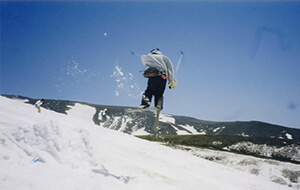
x=158 y=70
x=38 y=104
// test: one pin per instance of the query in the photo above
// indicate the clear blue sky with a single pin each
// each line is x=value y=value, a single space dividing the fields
x=241 y=61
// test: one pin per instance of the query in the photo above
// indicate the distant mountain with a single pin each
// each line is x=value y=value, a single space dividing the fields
x=118 y=118
x=141 y=123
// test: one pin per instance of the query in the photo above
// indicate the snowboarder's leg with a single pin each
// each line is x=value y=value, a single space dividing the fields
x=147 y=96
x=38 y=108
x=159 y=102
x=158 y=95
x=145 y=101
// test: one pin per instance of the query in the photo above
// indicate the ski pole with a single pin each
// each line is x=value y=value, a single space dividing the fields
x=135 y=54
x=179 y=61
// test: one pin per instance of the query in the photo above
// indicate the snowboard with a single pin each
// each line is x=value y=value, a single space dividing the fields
x=140 y=109
x=158 y=110
x=153 y=109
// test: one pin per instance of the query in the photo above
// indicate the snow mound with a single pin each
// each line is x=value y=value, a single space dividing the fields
x=49 y=150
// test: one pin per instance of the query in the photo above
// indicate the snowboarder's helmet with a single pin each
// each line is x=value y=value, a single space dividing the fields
x=155 y=51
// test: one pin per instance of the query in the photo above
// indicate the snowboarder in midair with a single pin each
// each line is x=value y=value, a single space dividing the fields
x=159 y=70
x=38 y=104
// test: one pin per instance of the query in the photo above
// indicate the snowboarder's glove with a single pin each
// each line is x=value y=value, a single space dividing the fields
x=172 y=84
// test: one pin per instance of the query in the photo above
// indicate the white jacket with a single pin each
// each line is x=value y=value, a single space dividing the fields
x=161 y=63
x=38 y=103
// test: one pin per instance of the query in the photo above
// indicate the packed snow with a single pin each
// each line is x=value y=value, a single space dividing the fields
x=289 y=136
x=166 y=118
x=190 y=129
x=49 y=150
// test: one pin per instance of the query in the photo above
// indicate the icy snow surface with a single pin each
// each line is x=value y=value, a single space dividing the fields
x=74 y=154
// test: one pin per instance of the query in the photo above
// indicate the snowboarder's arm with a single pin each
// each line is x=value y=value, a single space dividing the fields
x=170 y=72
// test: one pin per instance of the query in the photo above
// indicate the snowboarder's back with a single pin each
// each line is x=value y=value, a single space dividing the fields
x=38 y=104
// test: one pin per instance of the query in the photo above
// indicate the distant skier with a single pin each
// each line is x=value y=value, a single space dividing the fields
x=158 y=70
x=38 y=104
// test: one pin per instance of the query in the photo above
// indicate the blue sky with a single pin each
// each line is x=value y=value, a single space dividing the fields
x=241 y=59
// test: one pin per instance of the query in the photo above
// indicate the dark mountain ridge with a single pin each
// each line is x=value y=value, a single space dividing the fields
x=106 y=115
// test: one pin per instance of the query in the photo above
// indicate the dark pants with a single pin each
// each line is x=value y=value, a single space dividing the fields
x=156 y=87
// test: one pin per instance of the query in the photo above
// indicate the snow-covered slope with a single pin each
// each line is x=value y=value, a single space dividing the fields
x=141 y=123
x=73 y=153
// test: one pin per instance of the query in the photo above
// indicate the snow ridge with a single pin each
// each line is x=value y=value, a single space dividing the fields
x=76 y=154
